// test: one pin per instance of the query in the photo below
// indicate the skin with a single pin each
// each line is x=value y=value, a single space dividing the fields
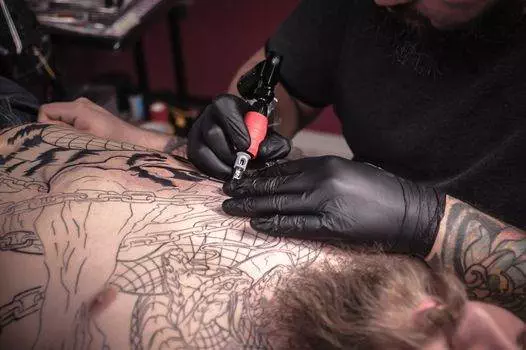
x=499 y=329
x=485 y=327
x=92 y=233
x=489 y=327
x=86 y=116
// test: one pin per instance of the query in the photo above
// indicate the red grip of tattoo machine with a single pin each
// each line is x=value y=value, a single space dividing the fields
x=257 y=125
x=262 y=95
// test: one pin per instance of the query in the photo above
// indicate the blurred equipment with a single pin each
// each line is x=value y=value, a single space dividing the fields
x=137 y=110
x=99 y=18
x=18 y=28
x=257 y=87
x=114 y=25
x=108 y=21
x=24 y=49
x=159 y=112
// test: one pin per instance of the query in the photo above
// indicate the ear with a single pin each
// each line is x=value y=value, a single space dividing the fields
x=432 y=317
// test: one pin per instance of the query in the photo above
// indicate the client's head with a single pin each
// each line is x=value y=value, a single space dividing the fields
x=384 y=302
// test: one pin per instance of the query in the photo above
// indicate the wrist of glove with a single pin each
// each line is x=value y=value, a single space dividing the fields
x=424 y=209
x=331 y=198
x=220 y=132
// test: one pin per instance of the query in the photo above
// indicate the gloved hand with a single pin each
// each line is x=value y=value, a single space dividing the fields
x=220 y=132
x=334 y=198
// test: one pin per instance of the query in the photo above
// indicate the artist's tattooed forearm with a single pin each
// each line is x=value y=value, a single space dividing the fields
x=198 y=276
x=489 y=256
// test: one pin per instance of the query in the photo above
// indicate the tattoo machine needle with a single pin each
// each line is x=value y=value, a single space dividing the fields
x=257 y=87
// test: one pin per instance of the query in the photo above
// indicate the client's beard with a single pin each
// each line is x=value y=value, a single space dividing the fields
x=362 y=301
x=432 y=52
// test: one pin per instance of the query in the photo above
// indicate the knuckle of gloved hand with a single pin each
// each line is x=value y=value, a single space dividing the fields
x=228 y=107
x=263 y=225
x=279 y=225
x=330 y=185
x=276 y=147
x=271 y=185
x=202 y=119
x=277 y=202
x=334 y=207
x=228 y=112
x=287 y=146
x=324 y=168
x=238 y=206
x=247 y=205
x=224 y=100
x=332 y=164
x=328 y=224
x=213 y=134
x=275 y=225
x=301 y=223
x=195 y=153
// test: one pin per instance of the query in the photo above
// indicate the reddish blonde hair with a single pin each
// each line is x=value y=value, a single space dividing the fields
x=367 y=301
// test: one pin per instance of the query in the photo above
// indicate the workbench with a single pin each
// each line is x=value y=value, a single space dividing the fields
x=124 y=31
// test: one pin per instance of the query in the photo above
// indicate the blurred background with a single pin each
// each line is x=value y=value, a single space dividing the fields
x=144 y=60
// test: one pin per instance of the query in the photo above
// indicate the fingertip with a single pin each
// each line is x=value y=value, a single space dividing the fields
x=238 y=188
x=233 y=207
x=228 y=187
x=274 y=147
x=43 y=115
x=227 y=206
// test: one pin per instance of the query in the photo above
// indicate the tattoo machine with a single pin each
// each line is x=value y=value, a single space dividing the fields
x=257 y=87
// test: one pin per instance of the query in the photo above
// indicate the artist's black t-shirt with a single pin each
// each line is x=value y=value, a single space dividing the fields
x=445 y=109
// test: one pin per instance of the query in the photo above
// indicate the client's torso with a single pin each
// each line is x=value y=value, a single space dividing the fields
x=79 y=215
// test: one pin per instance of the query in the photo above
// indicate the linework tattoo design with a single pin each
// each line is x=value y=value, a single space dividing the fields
x=23 y=304
x=100 y=213
x=489 y=256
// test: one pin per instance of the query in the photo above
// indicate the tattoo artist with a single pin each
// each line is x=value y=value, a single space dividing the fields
x=431 y=92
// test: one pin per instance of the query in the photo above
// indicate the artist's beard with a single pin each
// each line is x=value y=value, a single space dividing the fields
x=432 y=52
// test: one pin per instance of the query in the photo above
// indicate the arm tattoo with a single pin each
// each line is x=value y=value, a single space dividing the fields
x=486 y=254
x=96 y=213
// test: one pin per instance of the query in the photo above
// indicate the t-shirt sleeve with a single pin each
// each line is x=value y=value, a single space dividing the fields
x=310 y=42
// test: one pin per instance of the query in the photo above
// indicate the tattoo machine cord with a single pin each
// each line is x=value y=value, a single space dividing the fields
x=257 y=87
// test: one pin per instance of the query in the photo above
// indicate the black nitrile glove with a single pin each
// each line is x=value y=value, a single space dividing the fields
x=220 y=132
x=332 y=198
